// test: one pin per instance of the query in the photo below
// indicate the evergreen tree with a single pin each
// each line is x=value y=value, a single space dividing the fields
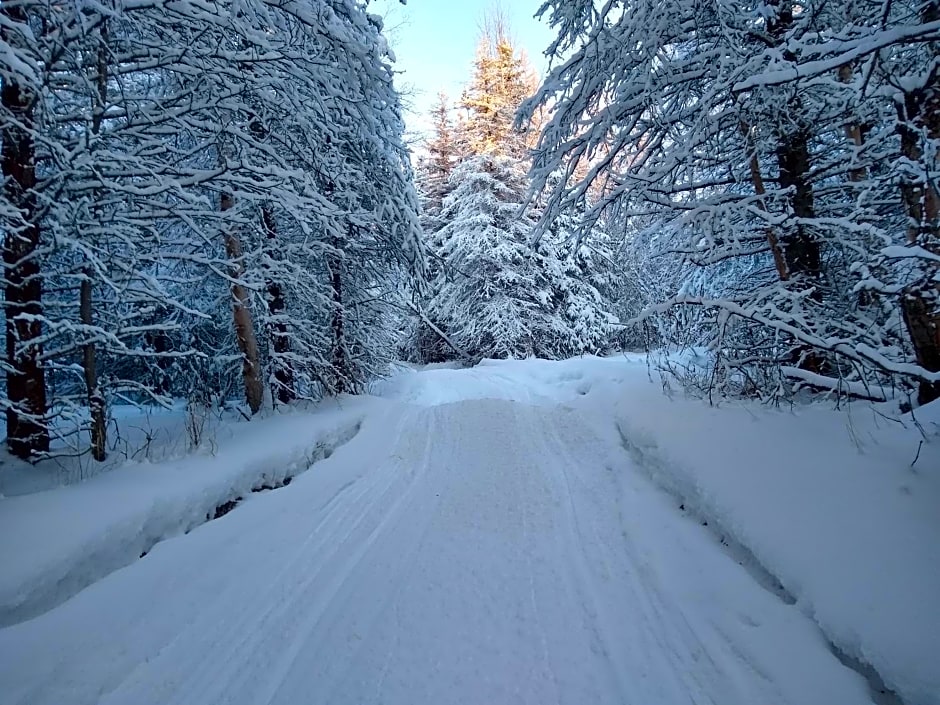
x=498 y=295
x=501 y=82
x=488 y=296
x=497 y=290
x=442 y=157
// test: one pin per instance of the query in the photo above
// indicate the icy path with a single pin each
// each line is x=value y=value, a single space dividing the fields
x=456 y=551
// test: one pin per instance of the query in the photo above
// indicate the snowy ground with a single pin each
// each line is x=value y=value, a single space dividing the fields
x=80 y=532
x=520 y=532
x=136 y=434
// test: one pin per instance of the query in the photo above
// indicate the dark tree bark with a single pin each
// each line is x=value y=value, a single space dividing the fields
x=802 y=251
x=923 y=325
x=96 y=401
x=283 y=390
x=96 y=405
x=27 y=433
x=241 y=314
x=801 y=248
x=919 y=111
x=342 y=370
x=161 y=345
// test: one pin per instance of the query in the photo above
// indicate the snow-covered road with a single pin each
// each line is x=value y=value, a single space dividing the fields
x=474 y=543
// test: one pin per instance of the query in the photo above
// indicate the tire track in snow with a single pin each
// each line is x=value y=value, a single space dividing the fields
x=557 y=457
x=272 y=605
x=400 y=501
x=667 y=656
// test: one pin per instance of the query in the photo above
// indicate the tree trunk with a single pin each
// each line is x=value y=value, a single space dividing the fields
x=342 y=372
x=919 y=110
x=96 y=405
x=801 y=248
x=757 y=179
x=27 y=433
x=802 y=252
x=160 y=343
x=854 y=131
x=923 y=325
x=283 y=390
x=241 y=314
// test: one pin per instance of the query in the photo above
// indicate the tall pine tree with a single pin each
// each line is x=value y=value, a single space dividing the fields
x=497 y=290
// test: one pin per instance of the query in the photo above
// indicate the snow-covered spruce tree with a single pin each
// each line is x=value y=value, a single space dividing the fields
x=502 y=79
x=442 y=153
x=487 y=297
x=695 y=115
x=442 y=156
x=589 y=285
x=497 y=295
x=496 y=289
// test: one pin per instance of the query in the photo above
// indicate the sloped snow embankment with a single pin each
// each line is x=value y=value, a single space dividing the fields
x=57 y=542
x=830 y=503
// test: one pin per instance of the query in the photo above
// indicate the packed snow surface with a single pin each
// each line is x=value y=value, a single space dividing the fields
x=490 y=535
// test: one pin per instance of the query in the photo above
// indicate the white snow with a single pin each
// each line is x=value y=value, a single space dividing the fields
x=57 y=542
x=509 y=533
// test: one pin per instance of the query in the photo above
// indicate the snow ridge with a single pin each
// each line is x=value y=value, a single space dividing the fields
x=134 y=510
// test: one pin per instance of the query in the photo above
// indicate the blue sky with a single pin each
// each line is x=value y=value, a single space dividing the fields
x=435 y=44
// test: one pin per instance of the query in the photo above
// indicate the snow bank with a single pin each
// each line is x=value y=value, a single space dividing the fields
x=836 y=513
x=55 y=543
x=830 y=502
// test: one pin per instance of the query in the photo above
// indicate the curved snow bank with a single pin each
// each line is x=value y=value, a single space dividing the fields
x=827 y=501
x=56 y=543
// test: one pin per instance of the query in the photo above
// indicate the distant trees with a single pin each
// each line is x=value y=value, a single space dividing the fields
x=487 y=294
x=443 y=154
x=500 y=294
x=787 y=152
x=497 y=290
x=190 y=191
